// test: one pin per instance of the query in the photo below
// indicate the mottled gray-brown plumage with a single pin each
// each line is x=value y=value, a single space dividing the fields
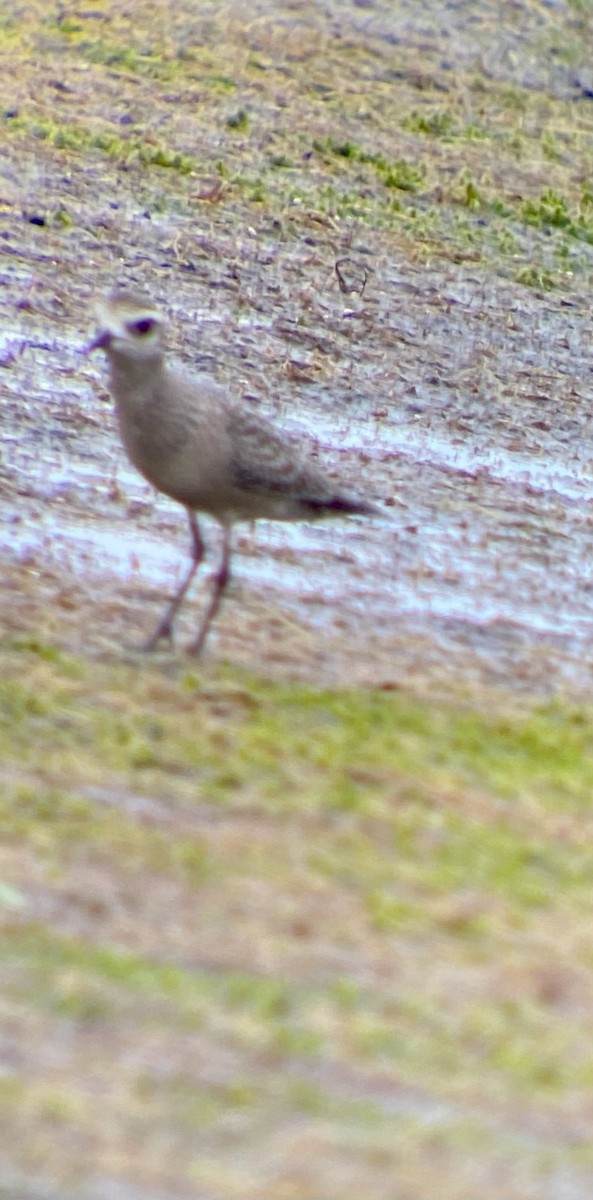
x=207 y=451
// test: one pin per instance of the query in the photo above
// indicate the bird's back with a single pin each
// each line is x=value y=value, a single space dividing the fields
x=212 y=454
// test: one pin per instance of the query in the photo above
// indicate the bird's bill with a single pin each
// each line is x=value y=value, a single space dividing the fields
x=99 y=342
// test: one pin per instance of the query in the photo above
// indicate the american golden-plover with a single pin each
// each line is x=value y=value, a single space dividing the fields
x=206 y=450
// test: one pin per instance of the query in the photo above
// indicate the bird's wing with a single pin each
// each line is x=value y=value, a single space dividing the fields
x=264 y=459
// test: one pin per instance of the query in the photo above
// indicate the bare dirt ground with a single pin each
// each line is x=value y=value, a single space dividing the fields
x=374 y=222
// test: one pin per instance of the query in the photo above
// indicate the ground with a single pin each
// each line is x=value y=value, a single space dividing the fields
x=310 y=916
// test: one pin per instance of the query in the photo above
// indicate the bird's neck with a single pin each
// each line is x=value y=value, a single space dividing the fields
x=131 y=375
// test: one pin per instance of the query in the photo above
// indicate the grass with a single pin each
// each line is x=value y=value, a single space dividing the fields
x=373 y=827
x=398 y=173
x=76 y=139
x=388 y=156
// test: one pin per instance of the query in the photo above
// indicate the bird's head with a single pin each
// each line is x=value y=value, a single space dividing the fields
x=129 y=327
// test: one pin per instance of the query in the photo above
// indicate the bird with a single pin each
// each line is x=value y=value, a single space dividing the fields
x=198 y=444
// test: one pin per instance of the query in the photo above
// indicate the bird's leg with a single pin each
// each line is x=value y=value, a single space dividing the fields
x=164 y=628
x=219 y=584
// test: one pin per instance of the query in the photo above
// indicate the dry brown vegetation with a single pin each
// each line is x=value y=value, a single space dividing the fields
x=310 y=918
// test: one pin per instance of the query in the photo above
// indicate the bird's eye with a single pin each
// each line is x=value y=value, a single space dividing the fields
x=143 y=326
